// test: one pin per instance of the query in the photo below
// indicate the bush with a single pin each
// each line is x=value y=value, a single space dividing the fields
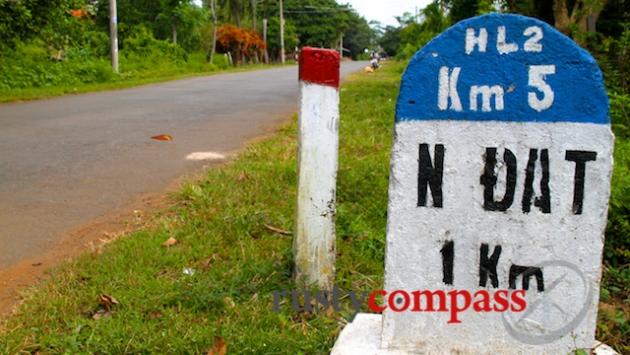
x=30 y=66
x=221 y=61
x=618 y=230
x=143 y=44
x=620 y=114
x=97 y=42
x=612 y=55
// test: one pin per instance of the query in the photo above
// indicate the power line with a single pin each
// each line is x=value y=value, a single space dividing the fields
x=314 y=10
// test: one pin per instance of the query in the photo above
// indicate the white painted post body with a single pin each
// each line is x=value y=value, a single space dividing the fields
x=314 y=243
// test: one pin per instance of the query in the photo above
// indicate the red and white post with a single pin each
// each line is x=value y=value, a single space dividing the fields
x=314 y=242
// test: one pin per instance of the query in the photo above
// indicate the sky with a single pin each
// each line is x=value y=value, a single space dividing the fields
x=381 y=10
x=385 y=10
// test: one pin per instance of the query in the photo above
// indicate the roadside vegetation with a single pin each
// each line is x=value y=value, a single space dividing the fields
x=56 y=47
x=213 y=285
x=200 y=275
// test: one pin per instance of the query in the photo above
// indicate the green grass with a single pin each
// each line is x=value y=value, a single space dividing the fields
x=28 y=72
x=219 y=222
x=220 y=225
x=119 y=82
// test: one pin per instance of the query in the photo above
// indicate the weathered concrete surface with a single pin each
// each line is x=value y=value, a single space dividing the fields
x=318 y=155
x=314 y=242
x=68 y=160
x=500 y=181
x=499 y=188
x=363 y=337
x=567 y=247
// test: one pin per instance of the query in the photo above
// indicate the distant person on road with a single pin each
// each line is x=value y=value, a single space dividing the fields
x=375 y=60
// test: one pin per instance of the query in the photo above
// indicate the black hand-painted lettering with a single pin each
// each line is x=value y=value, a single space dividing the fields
x=526 y=272
x=489 y=181
x=430 y=175
x=488 y=265
x=544 y=201
x=448 y=256
x=580 y=158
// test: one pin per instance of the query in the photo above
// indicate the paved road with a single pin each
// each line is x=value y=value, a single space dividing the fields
x=68 y=160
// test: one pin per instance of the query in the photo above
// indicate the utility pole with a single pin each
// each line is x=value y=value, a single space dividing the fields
x=341 y=46
x=265 y=22
x=213 y=9
x=282 y=58
x=113 y=34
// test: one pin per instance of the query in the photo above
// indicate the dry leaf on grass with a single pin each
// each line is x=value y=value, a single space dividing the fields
x=243 y=176
x=170 y=242
x=155 y=315
x=219 y=347
x=107 y=301
x=229 y=302
x=163 y=137
x=205 y=264
x=277 y=230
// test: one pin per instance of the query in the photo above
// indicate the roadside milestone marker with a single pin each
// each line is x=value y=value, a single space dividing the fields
x=498 y=197
x=314 y=242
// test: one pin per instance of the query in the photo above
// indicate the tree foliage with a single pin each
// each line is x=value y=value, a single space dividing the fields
x=321 y=23
x=241 y=43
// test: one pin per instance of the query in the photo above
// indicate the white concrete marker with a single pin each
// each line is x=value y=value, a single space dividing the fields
x=314 y=242
x=498 y=196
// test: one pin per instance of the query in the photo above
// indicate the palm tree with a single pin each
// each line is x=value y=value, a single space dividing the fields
x=253 y=9
x=235 y=9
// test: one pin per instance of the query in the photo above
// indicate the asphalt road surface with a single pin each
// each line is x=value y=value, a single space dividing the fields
x=68 y=160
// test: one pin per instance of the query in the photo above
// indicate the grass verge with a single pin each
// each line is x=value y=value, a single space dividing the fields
x=36 y=93
x=214 y=286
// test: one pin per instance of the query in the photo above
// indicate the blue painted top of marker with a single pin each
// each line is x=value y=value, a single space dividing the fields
x=503 y=67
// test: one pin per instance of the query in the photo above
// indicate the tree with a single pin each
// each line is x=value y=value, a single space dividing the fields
x=581 y=15
x=25 y=19
x=414 y=35
x=358 y=36
x=212 y=4
x=434 y=19
x=291 y=39
x=462 y=9
x=176 y=13
x=614 y=19
x=542 y=9
x=318 y=23
x=390 y=41
x=572 y=17
x=239 y=42
x=235 y=10
x=131 y=13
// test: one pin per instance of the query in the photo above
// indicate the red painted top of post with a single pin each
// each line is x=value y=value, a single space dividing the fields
x=320 y=66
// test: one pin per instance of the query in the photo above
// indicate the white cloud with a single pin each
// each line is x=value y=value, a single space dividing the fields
x=385 y=10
